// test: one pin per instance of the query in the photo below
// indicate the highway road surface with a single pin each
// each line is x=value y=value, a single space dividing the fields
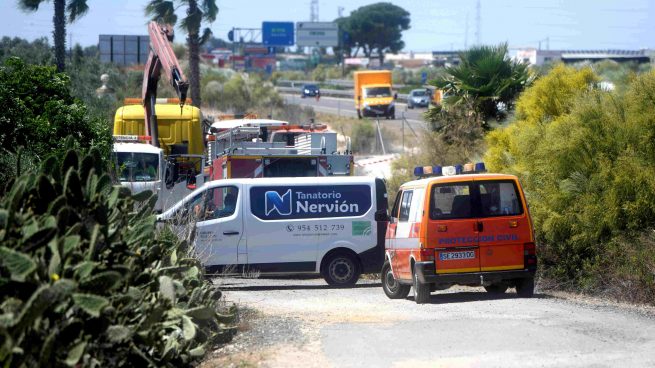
x=305 y=323
x=345 y=107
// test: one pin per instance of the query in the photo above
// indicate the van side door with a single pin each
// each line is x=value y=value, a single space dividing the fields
x=219 y=230
x=403 y=243
x=504 y=225
x=452 y=228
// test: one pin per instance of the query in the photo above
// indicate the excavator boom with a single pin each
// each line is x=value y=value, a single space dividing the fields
x=161 y=57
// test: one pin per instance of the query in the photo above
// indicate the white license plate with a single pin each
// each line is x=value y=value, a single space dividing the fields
x=451 y=256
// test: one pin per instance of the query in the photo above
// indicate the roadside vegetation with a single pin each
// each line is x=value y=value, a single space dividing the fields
x=587 y=160
x=583 y=151
x=86 y=276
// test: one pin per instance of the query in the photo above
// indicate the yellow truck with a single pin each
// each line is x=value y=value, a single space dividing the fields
x=180 y=132
x=373 y=94
x=172 y=168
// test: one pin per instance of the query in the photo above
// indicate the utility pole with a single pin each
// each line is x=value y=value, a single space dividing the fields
x=313 y=11
x=340 y=10
x=478 y=21
x=466 y=33
x=70 y=47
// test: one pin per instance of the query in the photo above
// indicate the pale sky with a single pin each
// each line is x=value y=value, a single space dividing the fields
x=435 y=24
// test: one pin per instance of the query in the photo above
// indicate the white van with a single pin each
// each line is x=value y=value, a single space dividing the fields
x=333 y=226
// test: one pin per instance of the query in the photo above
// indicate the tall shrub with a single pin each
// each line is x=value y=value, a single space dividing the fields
x=587 y=160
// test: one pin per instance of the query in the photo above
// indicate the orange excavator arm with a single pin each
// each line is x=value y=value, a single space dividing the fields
x=161 y=57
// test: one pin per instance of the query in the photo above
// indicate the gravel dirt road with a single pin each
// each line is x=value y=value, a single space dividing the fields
x=305 y=323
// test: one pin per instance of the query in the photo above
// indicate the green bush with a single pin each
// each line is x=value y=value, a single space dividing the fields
x=363 y=136
x=587 y=160
x=37 y=111
x=242 y=93
x=87 y=280
x=38 y=51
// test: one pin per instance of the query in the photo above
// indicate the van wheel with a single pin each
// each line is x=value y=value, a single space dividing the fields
x=525 y=287
x=496 y=288
x=421 y=291
x=391 y=286
x=341 y=269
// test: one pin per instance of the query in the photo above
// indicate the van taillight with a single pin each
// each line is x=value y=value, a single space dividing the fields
x=427 y=254
x=529 y=249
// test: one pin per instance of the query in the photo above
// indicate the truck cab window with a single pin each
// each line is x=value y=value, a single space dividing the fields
x=137 y=166
x=377 y=92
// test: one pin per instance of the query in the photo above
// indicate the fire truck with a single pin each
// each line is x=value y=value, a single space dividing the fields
x=264 y=148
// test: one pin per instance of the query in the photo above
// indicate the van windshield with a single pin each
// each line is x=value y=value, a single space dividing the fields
x=419 y=93
x=377 y=92
x=137 y=166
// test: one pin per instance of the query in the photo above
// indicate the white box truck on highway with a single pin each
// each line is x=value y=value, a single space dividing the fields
x=332 y=226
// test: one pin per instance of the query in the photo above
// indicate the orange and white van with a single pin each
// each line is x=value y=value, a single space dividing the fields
x=459 y=225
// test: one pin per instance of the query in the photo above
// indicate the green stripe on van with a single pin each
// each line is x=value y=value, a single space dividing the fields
x=361 y=228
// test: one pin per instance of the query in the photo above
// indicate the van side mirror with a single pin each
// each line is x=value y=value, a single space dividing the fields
x=381 y=216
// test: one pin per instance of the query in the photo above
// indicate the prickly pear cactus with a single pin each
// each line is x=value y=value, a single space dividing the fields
x=86 y=279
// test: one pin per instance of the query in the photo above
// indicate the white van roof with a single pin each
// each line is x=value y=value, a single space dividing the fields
x=454 y=178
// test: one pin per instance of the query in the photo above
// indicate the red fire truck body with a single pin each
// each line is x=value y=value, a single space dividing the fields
x=262 y=148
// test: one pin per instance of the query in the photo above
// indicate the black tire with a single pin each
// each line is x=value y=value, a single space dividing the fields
x=410 y=106
x=391 y=286
x=525 y=287
x=341 y=269
x=496 y=288
x=421 y=291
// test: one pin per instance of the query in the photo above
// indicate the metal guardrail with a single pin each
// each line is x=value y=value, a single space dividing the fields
x=333 y=93
x=346 y=83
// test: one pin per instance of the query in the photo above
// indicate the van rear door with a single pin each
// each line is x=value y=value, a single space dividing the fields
x=453 y=228
x=504 y=225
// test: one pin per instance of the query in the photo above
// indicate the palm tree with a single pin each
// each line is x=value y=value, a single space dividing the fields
x=485 y=79
x=197 y=11
x=73 y=9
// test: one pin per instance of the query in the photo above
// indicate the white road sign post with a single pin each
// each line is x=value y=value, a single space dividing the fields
x=317 y=34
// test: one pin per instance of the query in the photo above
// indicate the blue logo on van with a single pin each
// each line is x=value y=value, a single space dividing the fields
x=310 y=201
x=277 y=202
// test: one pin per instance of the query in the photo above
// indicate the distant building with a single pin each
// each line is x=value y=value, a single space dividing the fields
x=535 y=56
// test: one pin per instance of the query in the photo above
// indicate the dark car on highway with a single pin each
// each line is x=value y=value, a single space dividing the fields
x=309 y=90
x=418 y=97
